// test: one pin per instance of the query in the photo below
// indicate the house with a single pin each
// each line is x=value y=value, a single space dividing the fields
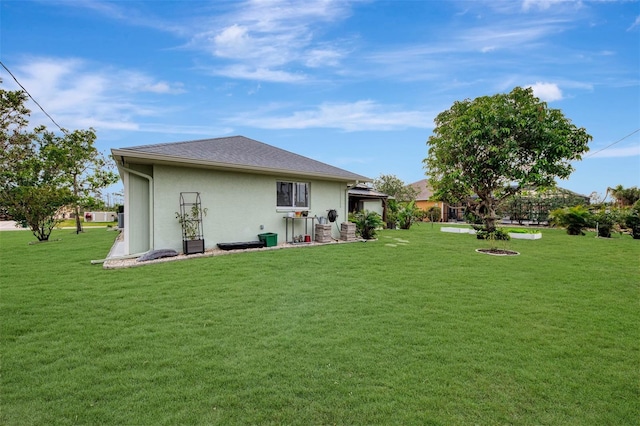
x=424 y=202
x=530 y=206
x=246 y=188
x=363 y=197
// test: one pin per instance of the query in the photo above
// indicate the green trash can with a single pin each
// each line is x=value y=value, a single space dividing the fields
x=269 y=239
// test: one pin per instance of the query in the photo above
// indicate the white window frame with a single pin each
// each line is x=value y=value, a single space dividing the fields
x=294 y=186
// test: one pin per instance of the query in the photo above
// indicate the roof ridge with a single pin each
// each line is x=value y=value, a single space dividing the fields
x=186 y=142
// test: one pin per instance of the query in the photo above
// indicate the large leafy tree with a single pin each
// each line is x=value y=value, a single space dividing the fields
x=31 y=189
x=395 y=187
x=40 y=172
x=484 y=150
x=86 y=170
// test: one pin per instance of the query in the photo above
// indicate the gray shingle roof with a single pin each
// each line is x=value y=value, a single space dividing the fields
x=425 y=192
x=365 y=191
x=238 y=152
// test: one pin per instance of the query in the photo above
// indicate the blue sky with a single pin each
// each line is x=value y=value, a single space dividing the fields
x=353 y=84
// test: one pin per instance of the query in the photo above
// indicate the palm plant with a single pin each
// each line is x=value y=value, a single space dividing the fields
x=575 y=219
x=407 y=214
x=366 y=223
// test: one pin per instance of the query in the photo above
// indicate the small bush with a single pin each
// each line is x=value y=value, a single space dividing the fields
x=574 y=219
x=407 y=214
x=604 y=221
x=495 y=235
x=366 y=223
x=632 y=221
x=433 y=213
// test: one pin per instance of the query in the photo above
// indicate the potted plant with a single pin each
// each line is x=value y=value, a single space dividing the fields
x=190 y=220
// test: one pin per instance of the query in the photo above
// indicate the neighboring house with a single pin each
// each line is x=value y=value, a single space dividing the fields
x=65 y=212
x=530 y=205
x=246 y=186
x=362 y=197
x=424 y=202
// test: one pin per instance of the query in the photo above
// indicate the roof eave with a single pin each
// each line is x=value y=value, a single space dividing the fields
x=124 y=155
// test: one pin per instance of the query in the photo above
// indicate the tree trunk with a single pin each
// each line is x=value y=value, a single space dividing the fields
x=78 y=224
x=75 y=193
x=487 y=211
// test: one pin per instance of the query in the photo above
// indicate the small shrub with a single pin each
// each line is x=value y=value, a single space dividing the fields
x=575 y=219
x=495 y=235
x=407 y=214
x=632 y=221
x=495 y=238
x=604 y=221
x=433 y=213
x=366 y=223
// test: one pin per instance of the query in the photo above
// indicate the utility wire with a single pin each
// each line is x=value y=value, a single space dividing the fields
x=29 y=94
x=612 y=144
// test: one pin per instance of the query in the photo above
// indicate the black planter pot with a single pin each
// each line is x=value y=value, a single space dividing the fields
x=193 y=246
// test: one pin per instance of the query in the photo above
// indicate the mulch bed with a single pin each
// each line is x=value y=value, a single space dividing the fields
x=498 y=252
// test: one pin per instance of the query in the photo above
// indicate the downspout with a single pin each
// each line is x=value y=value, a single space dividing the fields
x=150 y=179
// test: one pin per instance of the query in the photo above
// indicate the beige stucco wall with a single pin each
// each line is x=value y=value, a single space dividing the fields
x=373 y=206
x=137 y=212
x=237 y=205
x=426 y=205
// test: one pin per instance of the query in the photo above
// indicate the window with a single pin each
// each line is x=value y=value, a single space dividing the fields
x=293 y=194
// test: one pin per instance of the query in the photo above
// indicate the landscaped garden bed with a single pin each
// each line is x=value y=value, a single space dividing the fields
x=524 y=234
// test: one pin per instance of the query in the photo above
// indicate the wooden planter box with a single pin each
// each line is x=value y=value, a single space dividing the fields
x=193 y=246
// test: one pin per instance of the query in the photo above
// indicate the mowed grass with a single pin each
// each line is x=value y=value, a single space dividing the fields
x=415 y=328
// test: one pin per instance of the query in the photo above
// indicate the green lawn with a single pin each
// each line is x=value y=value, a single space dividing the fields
x=415 y=328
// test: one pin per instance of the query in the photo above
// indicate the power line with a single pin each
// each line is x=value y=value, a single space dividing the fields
x=612 y=144
x=29 y=94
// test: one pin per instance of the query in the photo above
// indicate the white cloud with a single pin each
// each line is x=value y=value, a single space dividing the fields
x=548 y=92
x=322 y=57
x=77 y=95
x=621 y=152
x=494 y=37
x=363 y=115
x=546 y=4
x=258 y=74
x=635 y=24
x=264 y=37
x=233 y=42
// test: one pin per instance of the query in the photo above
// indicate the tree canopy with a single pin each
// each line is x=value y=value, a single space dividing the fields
x=40 y=171
x=625 y=197
x=486 y=149
x=394 y=187
x=86 y=170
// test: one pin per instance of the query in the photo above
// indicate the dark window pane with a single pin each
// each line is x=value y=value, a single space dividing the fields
x=302 y=195
x=285 y=194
